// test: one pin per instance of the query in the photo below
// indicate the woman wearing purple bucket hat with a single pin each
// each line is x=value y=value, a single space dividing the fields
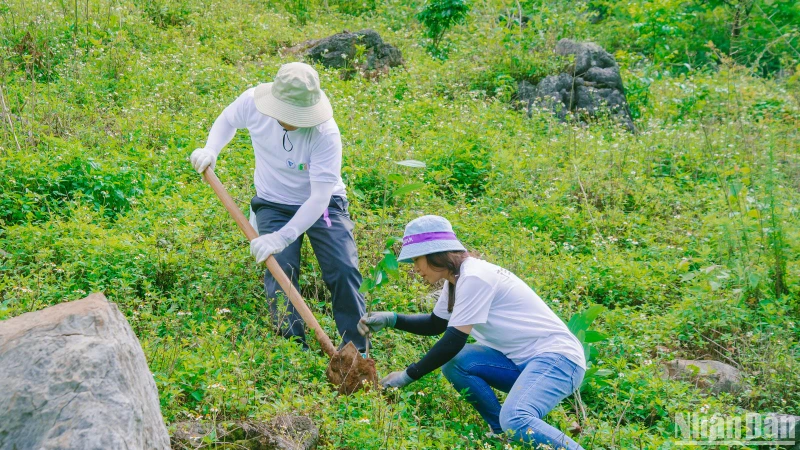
x=522 y=347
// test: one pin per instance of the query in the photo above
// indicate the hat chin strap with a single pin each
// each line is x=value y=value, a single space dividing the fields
x=286 y=126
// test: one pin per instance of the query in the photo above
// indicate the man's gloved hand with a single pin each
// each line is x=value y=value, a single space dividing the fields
x=268 y=244
x=202 y=158
x=396 y=379
x=372 y=322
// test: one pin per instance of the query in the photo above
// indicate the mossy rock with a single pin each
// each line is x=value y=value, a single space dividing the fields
x=282 y=433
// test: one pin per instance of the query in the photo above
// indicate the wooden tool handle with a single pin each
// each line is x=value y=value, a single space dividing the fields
x=272 y=264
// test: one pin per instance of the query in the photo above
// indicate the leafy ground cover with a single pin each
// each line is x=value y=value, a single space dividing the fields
x=686 y=231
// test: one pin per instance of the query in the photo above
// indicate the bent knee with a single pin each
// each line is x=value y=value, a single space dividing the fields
x=450 y=368
x=518 y=419
x=456 y=365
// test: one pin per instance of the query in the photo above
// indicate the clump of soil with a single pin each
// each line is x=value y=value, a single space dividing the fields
x=349 y=372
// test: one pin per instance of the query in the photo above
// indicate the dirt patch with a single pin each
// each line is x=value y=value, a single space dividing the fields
x=349 y=372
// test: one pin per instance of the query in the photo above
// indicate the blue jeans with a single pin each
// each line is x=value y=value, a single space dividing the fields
x=335 y=249
x=534 y=388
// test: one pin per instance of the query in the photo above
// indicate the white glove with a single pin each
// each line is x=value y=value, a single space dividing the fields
x=268 y=244
x=202 y=158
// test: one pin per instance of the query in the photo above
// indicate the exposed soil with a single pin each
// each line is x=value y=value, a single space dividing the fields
x=349 y=372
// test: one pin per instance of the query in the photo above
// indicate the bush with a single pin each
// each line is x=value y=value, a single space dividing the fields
x=683 y=36
x=438 y=16
x=460 y=172
x=37 y=187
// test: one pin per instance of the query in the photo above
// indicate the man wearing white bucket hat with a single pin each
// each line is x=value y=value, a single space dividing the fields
x=522 y=347
x=299 y=190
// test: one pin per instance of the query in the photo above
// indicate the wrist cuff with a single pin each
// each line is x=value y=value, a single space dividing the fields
x=412 y=368
x=393 y=320
x=289 y=235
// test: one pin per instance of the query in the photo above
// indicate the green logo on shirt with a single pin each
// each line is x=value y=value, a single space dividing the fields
x=302 y=166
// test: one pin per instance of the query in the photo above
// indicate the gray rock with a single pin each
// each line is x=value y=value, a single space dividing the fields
x=282 y=433
x=588 y=55
x=73 y=376
x=340 y=51
x=707 y=374
x=593 y=83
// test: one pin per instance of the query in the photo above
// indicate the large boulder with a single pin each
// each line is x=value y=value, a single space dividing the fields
x=73 y=376
x=592 y=84
x=707 y=374
x=362 y=51
x=282 y=433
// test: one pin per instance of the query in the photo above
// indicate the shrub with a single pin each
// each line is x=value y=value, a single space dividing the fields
x=167 y=13
x=438 y=16
x=463 y=171
x=34 y=187
x=683 y=36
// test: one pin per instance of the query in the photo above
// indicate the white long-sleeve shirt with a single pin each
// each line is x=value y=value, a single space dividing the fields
x=300 y=167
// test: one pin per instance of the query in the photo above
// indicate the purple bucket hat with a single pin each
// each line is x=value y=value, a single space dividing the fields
x=426 y=235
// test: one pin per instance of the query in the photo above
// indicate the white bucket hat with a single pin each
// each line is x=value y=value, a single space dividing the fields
x=426 y=235
x=295 y=97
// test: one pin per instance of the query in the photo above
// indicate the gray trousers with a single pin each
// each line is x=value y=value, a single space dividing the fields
x=336 y=253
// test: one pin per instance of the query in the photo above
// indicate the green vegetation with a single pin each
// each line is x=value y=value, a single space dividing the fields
x=686 y=232
x=438 y=16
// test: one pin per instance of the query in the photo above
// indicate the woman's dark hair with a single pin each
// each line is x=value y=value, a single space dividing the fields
x=450 y=261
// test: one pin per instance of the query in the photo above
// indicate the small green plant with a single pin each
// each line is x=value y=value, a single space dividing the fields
x=409 y=187
x=579 y=326
x=380 y=272
x=438 y=16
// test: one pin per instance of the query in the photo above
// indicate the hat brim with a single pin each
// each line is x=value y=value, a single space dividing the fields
x=297 y=116
x=411 y=251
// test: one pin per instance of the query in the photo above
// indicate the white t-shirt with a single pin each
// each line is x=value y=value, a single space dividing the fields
x=507 y=315
x=285 y=177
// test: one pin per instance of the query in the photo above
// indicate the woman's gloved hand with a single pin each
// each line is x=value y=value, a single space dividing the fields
x=396 y=379
x=372 y=322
